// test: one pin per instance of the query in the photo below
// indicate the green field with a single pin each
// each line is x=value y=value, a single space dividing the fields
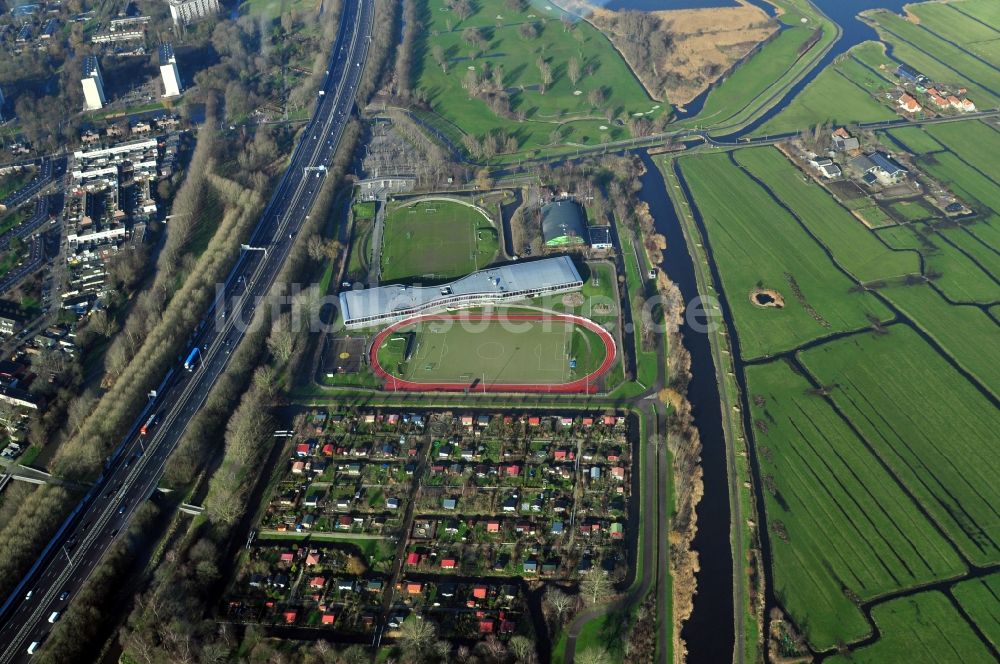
x=921 y=48
x=974 y=142
x=511 y=352
x=554 y=117
x=754 y=242
x=922 y=629
x=981 y=600
x=967 y=333
x=841 y=94
x=436 y=240
x=916 y=139
x=840 y=525
x=931 y=427
x=951 y=24
x=857 y=249
x=776 y=66
x=985 y=11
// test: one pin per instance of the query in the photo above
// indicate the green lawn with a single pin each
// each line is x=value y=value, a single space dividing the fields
x=754 y=241
x=839 y=523
x=503 y=48
x=499 y=352
x=436 y=240
x=934 y=430
x=981 y=600
x=922 y=629
x=841 y=94
x=855 y=247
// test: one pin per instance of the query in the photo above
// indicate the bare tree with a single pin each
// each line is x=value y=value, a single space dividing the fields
x=545 y=72
x=282 y=340
x=573 y=70
x=417 y=635
x=523 y=650
x=595 y=655
x=559 y=602
x=595 y=586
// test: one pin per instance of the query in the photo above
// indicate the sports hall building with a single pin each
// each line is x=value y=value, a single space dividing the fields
x=516 y=281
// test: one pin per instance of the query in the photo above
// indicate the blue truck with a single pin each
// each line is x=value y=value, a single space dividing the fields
x=193 y=359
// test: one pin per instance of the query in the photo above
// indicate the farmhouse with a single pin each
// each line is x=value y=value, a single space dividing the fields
x=518 y=281
x=563 y=223
x=909 y=104
x=843 y=141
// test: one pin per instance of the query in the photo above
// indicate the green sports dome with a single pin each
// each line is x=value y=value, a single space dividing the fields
x=563 y=223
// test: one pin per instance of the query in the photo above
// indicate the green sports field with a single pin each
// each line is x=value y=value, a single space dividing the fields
x=518 y=352
x=436 y=240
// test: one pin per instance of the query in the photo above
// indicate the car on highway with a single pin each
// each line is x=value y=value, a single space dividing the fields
x=33 y=647
x=63 y=596
x=28 y=595
x=54 y=617
x=121 y=510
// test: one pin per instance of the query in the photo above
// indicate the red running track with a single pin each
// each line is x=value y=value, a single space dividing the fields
x=585 y=384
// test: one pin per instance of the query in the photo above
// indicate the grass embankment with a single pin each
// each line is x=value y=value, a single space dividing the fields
x=845 y=92
x=453 y=52
x=756 y=243
x=815 y=470
x=921 y=47
x=436 y=240
x=761 y=81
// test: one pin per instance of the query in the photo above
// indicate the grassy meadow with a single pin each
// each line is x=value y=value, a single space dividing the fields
x=980 y=598
x=920 y=629
x=934 y=429
x=855 y=247
x=757 y=243
x=873 y=538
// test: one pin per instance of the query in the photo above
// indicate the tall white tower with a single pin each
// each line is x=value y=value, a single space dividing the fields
x=93 y=84
x=168 y=71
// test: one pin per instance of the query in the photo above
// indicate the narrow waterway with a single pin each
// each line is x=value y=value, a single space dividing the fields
x=709 y=631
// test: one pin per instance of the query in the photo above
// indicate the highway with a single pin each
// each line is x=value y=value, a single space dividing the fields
x=134 y=469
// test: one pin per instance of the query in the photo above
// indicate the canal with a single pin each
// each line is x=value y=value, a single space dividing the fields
x=709 y=632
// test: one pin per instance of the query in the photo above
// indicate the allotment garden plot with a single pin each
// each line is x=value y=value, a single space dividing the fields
x=436 y=240
x=526 y=351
